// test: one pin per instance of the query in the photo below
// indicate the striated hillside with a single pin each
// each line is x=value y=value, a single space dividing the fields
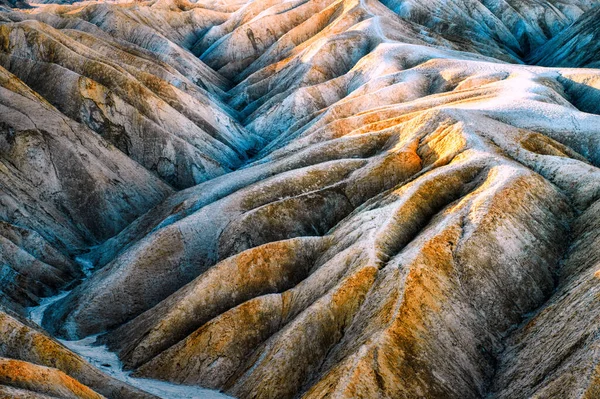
x=575 y=46
x=310 y=198
x=6 y=4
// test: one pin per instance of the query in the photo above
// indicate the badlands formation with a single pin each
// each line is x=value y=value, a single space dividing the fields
x=300 y=199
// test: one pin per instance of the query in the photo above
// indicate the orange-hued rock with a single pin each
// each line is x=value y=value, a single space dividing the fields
x=269 y=268
x=23 y=342
x=43 y=379
x=302 y=199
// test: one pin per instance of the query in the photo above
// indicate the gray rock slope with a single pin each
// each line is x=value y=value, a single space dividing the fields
x=312 y=198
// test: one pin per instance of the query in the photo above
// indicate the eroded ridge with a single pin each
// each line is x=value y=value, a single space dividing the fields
x=370 y=204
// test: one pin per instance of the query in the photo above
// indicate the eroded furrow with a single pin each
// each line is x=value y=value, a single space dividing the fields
x=369 y=206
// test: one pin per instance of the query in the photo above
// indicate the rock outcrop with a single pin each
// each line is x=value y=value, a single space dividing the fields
x=7 y=4
x=31 y=361
x=575 y=46
x=316 y=198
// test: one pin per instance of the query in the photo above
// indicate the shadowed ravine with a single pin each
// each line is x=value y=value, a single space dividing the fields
x=314 y=198
x=99 y=356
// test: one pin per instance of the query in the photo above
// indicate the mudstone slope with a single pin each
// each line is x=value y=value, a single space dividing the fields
x=310 y=198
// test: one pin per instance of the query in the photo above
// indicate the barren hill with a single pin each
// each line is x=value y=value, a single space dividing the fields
x=303 y=198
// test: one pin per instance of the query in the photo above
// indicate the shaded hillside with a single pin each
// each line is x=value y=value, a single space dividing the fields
x=576 y=46
x=315 y=198
x=14 y=4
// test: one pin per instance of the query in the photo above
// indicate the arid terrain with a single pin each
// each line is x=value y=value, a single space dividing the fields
x=268 y=199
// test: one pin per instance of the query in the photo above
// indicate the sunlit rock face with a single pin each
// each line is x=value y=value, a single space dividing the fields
x=312 y=198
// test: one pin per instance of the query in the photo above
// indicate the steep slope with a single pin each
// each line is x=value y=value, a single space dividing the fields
x=413 y=200
x=505 y=29
x=63 y=188
x=575 y=46
x=134 y=98
x=376 y=203
x=31 y=268
x=516 y=27
x=14 y=4
x=60 y=178
x=555 y=352
x=30 y=361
